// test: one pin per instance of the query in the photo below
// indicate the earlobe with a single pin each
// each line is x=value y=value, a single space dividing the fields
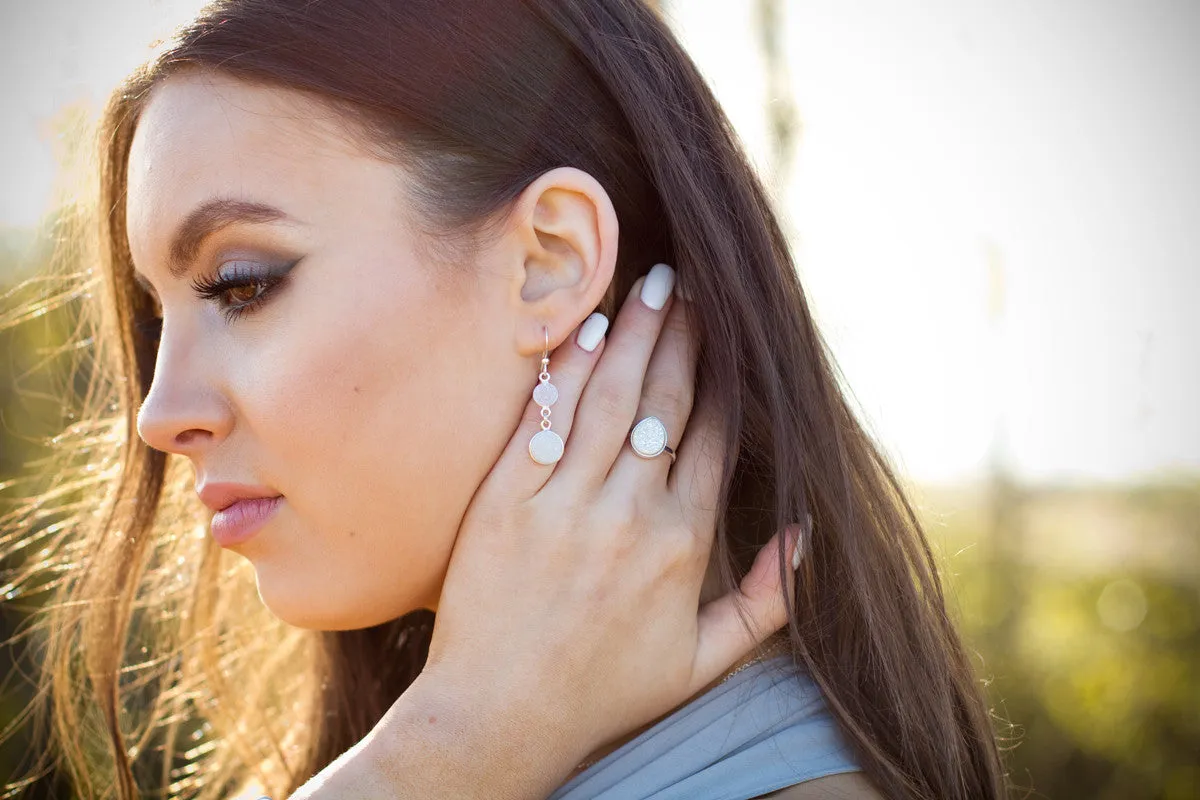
x=567 y=232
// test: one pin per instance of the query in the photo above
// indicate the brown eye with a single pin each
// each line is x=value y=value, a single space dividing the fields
x=244 y=293
x=240 y=290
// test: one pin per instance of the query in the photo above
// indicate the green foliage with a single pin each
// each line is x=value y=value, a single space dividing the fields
x=1093 y=660
x=35 y=392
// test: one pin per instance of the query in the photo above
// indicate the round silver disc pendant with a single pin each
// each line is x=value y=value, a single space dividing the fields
x=545 y=394
x=649 y=437
x=546 y=447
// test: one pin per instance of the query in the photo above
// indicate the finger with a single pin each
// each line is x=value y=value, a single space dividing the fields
x=570 y=367
x=667 y=393
x=695 y=478
x=611 y=396
x=723 y=639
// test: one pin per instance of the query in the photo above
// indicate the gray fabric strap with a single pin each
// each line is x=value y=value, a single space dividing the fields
x=765 y=728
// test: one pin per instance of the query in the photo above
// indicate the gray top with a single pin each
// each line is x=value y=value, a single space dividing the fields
x=764 y=728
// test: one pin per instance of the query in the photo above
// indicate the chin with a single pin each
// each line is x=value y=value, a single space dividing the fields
x=321 y=610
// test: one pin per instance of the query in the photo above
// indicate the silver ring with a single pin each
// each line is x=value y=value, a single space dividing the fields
x=649 y=438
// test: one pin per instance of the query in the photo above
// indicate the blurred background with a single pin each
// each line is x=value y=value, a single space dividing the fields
x=996 y=213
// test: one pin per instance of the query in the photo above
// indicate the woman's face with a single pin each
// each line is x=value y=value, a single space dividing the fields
x=372 y=389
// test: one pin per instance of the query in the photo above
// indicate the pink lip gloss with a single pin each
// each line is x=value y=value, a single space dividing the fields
x=242 y=520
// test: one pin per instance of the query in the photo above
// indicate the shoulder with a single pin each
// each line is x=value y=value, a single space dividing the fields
x=843 y=786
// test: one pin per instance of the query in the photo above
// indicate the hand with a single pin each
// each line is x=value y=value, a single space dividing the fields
x=568 y=615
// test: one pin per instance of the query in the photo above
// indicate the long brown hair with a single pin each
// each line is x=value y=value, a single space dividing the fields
x=478 y=99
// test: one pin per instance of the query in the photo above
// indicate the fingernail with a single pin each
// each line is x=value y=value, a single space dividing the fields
x=658 y=285
x=802 y=532
x=592 y=331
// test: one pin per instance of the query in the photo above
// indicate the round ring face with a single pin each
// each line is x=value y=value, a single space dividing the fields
x=649 y=437
x=546 y=447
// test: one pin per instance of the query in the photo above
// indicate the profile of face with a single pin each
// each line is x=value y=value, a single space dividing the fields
x=357 y=373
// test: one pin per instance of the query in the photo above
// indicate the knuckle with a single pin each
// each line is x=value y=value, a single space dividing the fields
x=679 y=549
x=676 y=323
x=610 y=399
x=620 y=523
x=669 y=397
x=621 y=519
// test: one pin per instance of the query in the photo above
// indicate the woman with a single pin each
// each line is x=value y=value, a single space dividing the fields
x=409 y=205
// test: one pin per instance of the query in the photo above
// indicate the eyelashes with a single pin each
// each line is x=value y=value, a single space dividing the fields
x=233 y=281
x=216 y=288
x=238 y=290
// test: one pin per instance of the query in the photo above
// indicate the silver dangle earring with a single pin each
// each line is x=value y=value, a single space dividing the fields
x=546 y=446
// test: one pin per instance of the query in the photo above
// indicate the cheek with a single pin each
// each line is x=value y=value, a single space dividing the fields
x=379 y=423
x=352 y=329
x=343 y=408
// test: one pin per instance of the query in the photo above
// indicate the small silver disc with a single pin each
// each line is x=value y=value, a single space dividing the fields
x=649 y=437
x=545 y=394
x=546 y=447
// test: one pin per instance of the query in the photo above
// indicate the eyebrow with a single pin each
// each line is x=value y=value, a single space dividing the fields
x=205 y=220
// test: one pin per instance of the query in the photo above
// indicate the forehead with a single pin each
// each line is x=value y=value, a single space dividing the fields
x=204 y=134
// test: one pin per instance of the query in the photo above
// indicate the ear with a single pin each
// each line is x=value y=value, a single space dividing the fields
x=563 y=242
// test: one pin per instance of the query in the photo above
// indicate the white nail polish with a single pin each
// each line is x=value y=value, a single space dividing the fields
x=592 y=331
x=807 y=529
x=658 y=285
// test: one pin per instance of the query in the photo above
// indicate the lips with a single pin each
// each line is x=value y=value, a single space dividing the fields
x=241 y=509
x=241 y=520
x=220 y=496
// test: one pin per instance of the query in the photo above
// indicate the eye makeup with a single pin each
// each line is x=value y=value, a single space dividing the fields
x=247 y=284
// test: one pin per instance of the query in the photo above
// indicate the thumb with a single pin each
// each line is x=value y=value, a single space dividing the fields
x=723 y=639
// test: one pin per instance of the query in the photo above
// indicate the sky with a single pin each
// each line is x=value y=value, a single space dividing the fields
x=995 y=207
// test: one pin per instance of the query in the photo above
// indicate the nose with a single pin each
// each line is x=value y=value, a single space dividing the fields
x=185 y=411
